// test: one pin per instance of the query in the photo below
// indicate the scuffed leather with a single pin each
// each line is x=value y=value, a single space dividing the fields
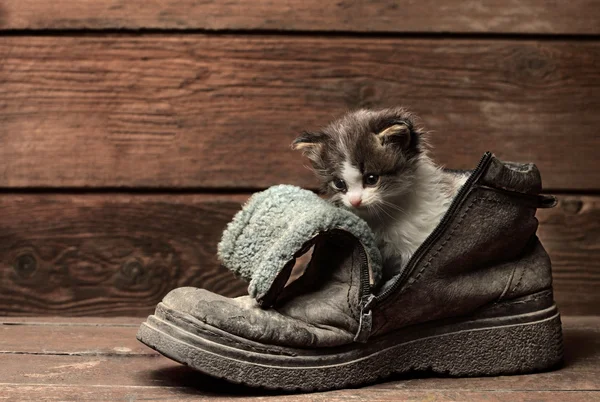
x=524 y=178
x=320 y=309
x=532 y=273
x=488 y=252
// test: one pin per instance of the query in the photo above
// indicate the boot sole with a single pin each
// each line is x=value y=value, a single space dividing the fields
x=516 y=344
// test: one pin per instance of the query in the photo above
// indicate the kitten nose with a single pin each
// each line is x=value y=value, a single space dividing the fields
x=355 y=202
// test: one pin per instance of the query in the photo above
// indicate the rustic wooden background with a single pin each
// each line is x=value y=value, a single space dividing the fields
x=132 y=130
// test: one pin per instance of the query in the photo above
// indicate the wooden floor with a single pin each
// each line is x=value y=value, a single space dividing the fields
x=100 y=359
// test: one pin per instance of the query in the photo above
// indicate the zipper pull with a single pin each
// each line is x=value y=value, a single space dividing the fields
x=364 y=327
x=366 y=321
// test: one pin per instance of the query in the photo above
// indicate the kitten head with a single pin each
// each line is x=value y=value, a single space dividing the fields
x=366 y=159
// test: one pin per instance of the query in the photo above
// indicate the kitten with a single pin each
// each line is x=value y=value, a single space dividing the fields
x=375 y=163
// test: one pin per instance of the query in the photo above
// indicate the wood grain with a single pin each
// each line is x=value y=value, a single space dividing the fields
x=91 y=321
x=28 y=374
x=120 y=254
x=117 y=393
x=72 y=340
x=571 y=235
x=528 y=16
x=206 y=111
x=109 y=254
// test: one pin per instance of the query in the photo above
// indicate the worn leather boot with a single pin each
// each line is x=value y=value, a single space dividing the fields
x=475 y=299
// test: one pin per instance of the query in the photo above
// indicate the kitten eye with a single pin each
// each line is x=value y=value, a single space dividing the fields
x=371 y=179
x=339 y=184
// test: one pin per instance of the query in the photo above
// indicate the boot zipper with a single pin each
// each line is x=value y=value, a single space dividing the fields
x=366 y=318
x=373 y=299
x=365 y=281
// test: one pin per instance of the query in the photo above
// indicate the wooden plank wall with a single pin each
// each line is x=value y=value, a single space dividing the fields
x=131 y=131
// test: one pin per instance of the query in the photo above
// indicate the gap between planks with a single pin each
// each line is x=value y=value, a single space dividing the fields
x=430 y=16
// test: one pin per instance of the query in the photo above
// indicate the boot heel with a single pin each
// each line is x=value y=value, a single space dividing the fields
x=509 y=349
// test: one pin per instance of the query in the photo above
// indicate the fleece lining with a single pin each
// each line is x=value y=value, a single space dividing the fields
x=275 y=224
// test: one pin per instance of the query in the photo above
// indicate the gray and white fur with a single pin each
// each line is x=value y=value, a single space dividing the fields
x=375 y=163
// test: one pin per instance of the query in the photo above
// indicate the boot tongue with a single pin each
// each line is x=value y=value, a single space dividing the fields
x=266 y=241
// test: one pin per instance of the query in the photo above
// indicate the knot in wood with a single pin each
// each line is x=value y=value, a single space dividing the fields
x=572 y=206
x=533 y=66
x=132 y=269
x=25 y=265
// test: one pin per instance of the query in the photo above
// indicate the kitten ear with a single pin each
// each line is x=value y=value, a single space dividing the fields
x=309 y=143
x=400 y=134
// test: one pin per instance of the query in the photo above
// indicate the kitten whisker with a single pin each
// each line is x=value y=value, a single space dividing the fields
x=385 y=212
x=370 y=209
x=392 y=206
